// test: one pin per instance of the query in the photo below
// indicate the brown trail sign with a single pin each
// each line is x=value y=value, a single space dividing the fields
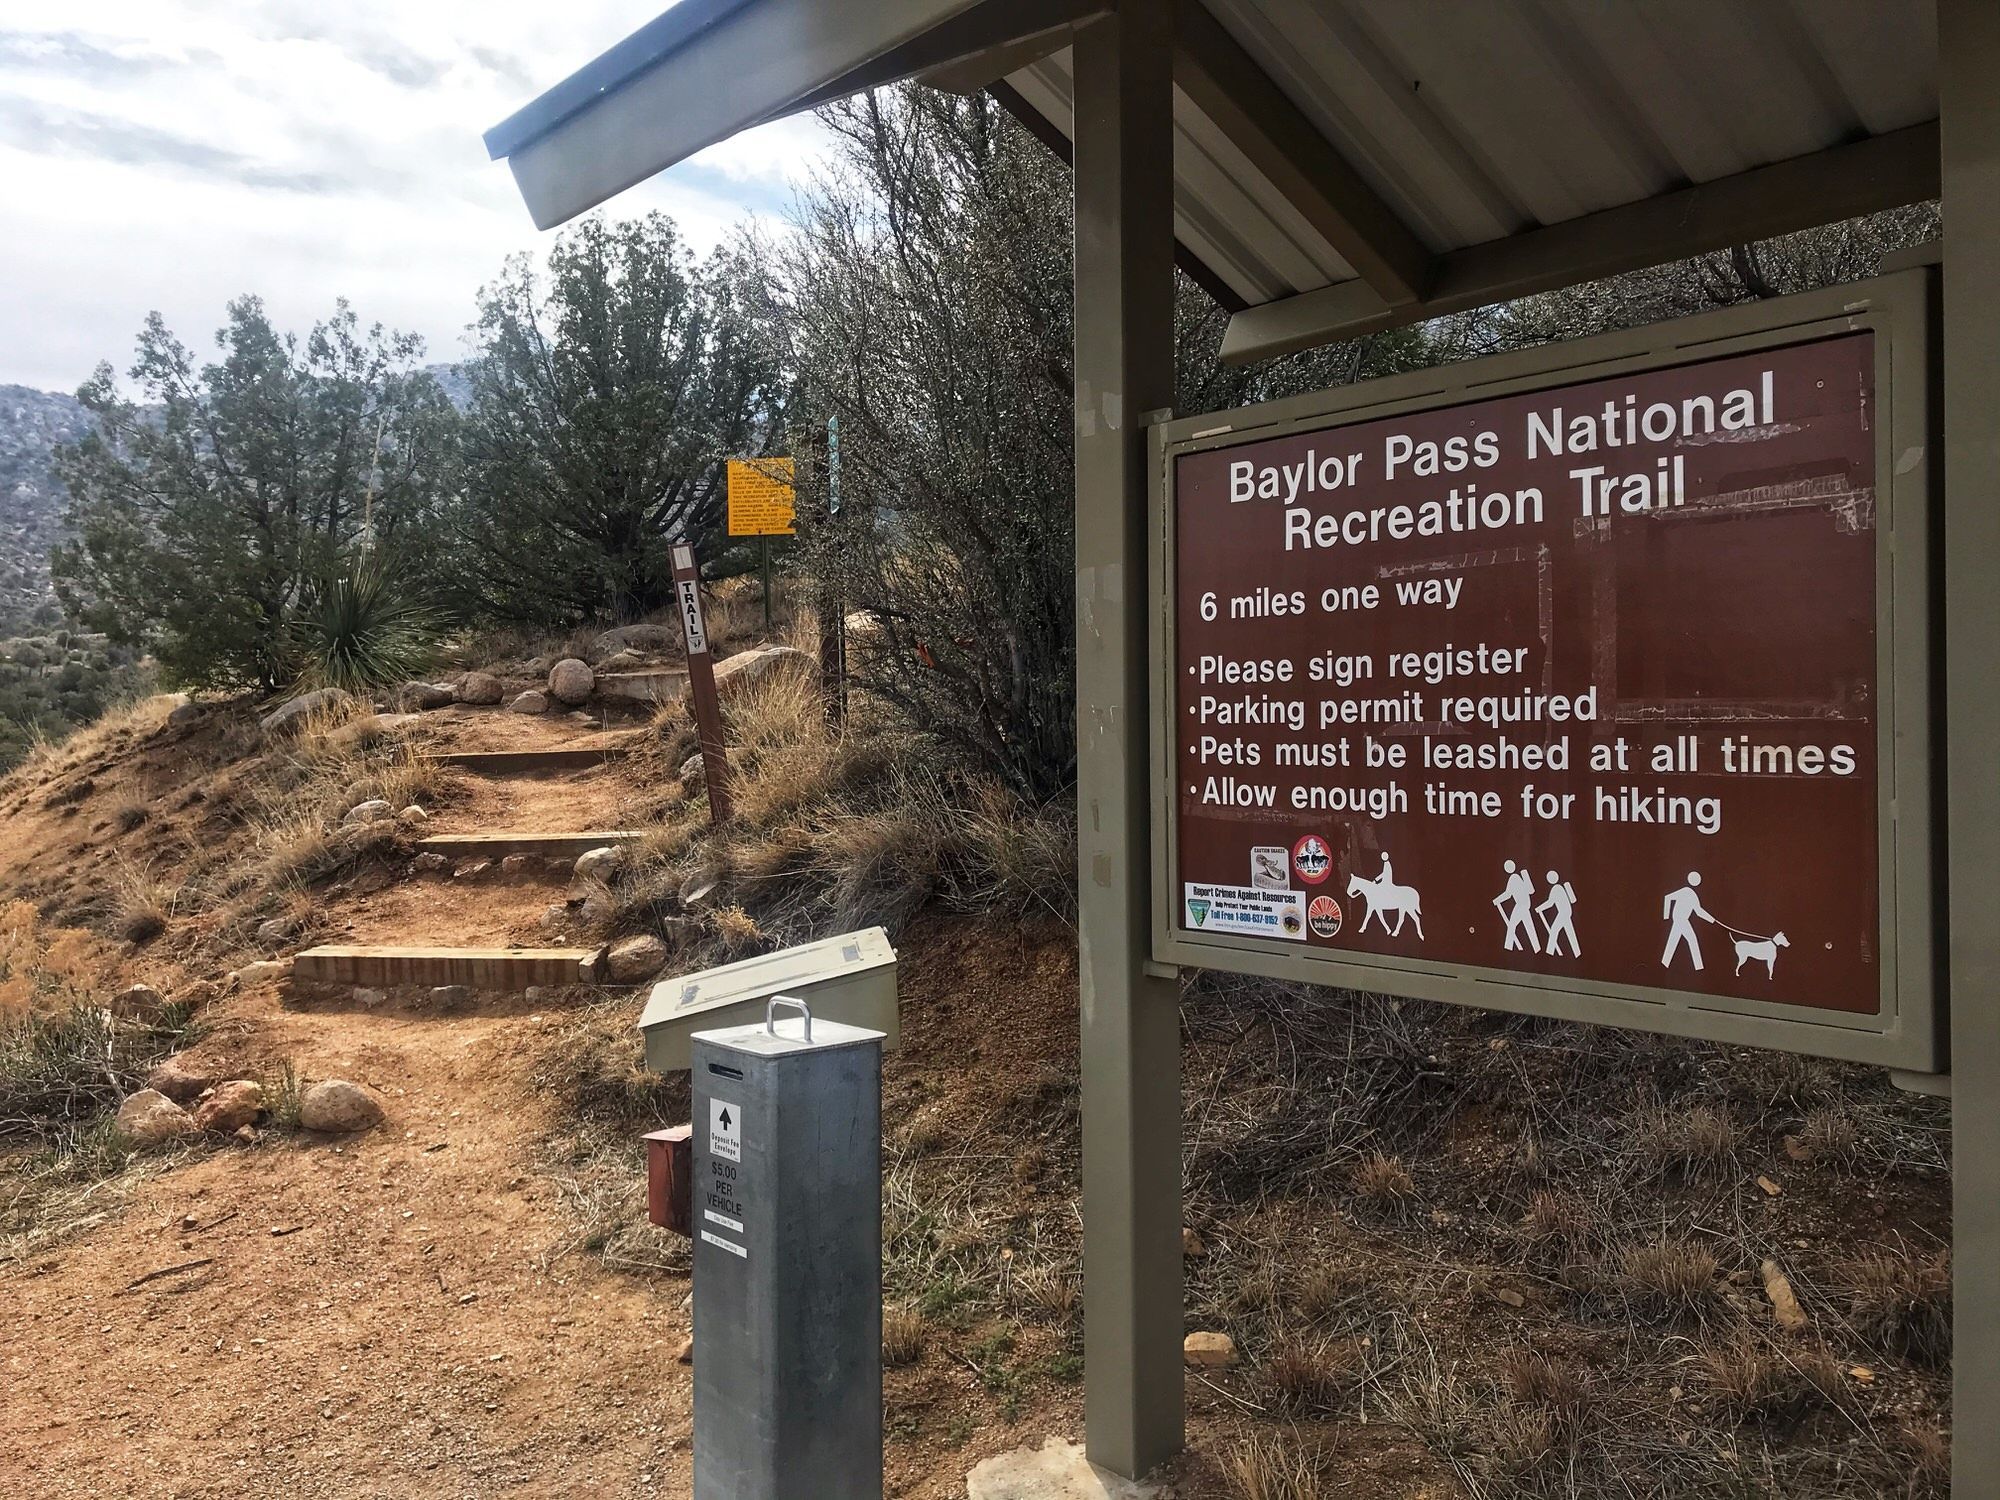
x=1578 y=687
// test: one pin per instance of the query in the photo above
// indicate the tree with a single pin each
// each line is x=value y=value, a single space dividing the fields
x=605 y=402
x=209 y=516
x=926 y=303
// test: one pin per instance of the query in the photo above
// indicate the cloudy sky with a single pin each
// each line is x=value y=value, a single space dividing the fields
x=171 y=154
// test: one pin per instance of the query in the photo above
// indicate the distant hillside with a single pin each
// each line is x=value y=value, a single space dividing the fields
x=32 y=423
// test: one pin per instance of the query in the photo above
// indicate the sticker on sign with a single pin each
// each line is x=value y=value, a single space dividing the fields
x=725 y=1130
x=690 y=602
x=1246 y=909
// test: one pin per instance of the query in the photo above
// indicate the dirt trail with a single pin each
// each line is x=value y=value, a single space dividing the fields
x=421 y=1323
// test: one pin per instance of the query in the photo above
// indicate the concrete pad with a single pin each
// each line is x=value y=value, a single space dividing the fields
x=1056 y=1471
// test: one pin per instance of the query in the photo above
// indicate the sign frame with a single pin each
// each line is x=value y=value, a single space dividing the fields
x=1906 y=1032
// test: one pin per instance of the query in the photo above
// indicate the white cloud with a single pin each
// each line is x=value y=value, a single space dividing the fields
x=172 y=154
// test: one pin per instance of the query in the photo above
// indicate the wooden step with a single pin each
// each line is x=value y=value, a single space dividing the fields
x=477 y=968
x=498 y=845
x=507 y=762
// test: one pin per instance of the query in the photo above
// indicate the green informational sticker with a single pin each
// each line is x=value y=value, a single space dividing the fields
x=1197 y=912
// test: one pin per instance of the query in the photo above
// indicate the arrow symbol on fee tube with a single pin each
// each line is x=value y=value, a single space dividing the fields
x=725 y=1119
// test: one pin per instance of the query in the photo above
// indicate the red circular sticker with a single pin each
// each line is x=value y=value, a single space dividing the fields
x=1323 y=916
x=1312 y=859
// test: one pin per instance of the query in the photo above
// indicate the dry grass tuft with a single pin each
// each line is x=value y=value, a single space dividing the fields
x=1559 y=1231
x=130 y=814
x=1751 y=1381
x=1310 y=1379
x=1325 y=1290
x=1672 y=1281
x=1902 y=1305
x=903 y=1337
x=1383 y=1182
x=1266 y=1468
x=1697 y=1141
x=1830 y=1135
x=142 y=906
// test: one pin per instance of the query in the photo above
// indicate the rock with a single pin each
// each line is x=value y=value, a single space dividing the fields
x=634 y=960
x=337 y=1105
x=1785 y=1309
x=149 y=1117
x=265 y=970
x=760 y=664
x=685 y=1354
x=451 y=995
x=517 y=866
x=1191 y=1245
x=184 y=715
x=228 y=1107
x=1209 y=1351
x=423 y=696
x=863 y=629
x=530 y=702
x=481 y=688
x=374 y=810
x=368 y=998
x=1510 y=1297
x=624 y=661
x=472 y=869
x=691 y=769
x=600 y=863
x=292 y=715
x=138 y=1002
x=699 y=886
x=180 y=1081
x=644 y=637
x=430 y=862
x=413 y=817
x=245 y=1135
x=1056 y=1471
x=535 y=666
x=554 y=921
x=274 y=934
x=571 y=680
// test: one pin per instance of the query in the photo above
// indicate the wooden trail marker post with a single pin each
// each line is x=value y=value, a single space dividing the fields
x=701 y=683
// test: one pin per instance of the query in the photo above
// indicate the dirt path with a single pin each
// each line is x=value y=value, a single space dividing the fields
x=421 y=1322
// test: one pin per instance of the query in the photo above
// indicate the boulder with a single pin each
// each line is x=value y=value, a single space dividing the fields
x=138 y=1002
x=335 y=1104
x=228 y=1107
x=481 y=688
x=451 y=996
x=1209 y=1350
x=149 y=1117
x=472 y=869
x=642 y=637
x=368 y=998
x=181 y=1081
x=420 y=697
x=572 y=681
x=760 y=664
x=291 y=716
x=430 y=862
x=184 y=715
x=274 y=934
x=413 y=817
x=634 y=960
x=624 y=661
x=600 y=863
x=517 y=866
x=533 y=701
x=270 y=969
x=535 y=666
x=374 y=810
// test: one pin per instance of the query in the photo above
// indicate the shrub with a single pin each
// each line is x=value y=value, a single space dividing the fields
x=366 y=630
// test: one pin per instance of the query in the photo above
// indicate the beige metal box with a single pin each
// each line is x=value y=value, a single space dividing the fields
x=850 y=978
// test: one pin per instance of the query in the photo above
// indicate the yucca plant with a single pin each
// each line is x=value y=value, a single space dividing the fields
x=366 y=630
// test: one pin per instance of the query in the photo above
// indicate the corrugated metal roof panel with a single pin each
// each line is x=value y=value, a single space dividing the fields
x=1479 y=121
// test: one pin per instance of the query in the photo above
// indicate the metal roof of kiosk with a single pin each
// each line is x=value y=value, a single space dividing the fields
x=1331 y=167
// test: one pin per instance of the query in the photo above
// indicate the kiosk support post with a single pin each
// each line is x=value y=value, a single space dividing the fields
x=1130 y=1019
x=1968 y=60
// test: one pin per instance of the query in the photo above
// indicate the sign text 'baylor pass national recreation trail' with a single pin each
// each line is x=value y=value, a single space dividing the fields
x=1576 y=682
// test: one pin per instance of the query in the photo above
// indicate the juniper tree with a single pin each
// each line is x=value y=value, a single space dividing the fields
x=210 y=514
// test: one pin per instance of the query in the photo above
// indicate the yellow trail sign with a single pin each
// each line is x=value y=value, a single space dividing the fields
x=760 y=497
